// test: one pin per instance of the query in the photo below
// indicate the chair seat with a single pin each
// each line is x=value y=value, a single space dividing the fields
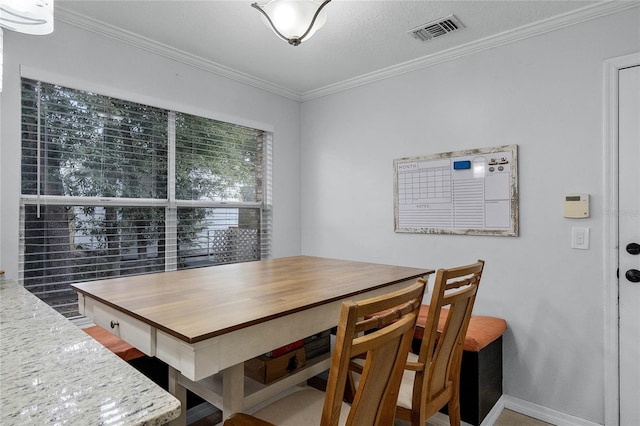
x=482 y=330
x=286 y=411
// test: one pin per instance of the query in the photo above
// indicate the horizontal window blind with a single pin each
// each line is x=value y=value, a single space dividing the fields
x=215 y=160
x=266 y=224
x=214 y=236
x=67 y=244
x=98 y=199
x=77 y=143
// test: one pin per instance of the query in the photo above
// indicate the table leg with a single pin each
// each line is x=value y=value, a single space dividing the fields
x=180 y=392
x=232 y=390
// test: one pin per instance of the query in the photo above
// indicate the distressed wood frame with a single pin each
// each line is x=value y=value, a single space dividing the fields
x=513 y=230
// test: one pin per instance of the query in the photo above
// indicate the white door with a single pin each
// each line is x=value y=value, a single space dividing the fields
x=629 y=244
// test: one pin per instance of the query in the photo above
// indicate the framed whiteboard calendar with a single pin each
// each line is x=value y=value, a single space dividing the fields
x=472 y=192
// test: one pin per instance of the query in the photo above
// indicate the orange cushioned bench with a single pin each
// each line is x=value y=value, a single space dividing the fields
x=113 y=343
x=481 y=371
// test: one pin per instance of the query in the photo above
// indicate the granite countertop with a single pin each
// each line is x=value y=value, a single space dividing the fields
x=52 y=373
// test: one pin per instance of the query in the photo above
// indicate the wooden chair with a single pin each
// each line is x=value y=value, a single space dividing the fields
x=384 y=340
x=432 y=378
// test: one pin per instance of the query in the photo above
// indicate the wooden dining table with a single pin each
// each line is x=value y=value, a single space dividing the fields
x=206 y=322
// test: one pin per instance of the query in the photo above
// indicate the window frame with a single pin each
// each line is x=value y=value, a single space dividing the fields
x=170 y=204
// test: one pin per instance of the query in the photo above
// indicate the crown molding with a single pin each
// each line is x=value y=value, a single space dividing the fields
x=86 y=23
x=551 y=24
x=531 y=30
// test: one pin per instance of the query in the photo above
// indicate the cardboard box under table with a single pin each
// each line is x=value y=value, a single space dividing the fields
x=265 y=369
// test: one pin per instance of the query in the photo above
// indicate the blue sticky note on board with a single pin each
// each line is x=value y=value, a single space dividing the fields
x=461 y=165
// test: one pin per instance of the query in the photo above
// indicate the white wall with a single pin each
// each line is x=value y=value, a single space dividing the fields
x=87 y=61
x=544 y=94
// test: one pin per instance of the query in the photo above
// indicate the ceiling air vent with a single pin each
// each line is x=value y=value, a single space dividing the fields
x=436 y=28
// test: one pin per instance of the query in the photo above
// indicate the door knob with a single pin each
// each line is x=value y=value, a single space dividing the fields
x=633 y=275
x=633 y=248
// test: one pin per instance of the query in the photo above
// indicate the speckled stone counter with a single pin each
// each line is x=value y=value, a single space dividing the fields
x=52 y=373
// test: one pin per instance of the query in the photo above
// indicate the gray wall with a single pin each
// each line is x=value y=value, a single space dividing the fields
x=544 y=94
x=84 y=60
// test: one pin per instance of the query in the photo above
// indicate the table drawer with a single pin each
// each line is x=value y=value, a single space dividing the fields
x=129 y=329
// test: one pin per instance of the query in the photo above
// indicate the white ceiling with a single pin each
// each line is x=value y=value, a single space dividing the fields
x=362 y=41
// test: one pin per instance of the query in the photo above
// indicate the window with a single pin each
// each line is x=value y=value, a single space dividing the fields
x=112 y=188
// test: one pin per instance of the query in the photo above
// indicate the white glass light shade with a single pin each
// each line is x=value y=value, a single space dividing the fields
x=27 y=16
x=292 y=17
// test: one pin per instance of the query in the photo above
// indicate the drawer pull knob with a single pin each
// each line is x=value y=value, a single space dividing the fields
x=114 y=324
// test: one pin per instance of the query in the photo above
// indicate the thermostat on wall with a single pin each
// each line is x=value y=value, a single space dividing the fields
x=576 y=206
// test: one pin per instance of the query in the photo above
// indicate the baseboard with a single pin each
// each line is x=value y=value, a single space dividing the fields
x=495 y=412
x=543 y=413
x=520 y=406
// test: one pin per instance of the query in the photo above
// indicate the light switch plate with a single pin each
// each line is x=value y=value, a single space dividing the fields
x=580 y=238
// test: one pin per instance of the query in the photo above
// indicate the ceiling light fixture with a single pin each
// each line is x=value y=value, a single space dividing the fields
x=27 y=16
x=293 y=20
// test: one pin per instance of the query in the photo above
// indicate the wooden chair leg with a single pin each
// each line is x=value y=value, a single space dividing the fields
x=454 y=409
